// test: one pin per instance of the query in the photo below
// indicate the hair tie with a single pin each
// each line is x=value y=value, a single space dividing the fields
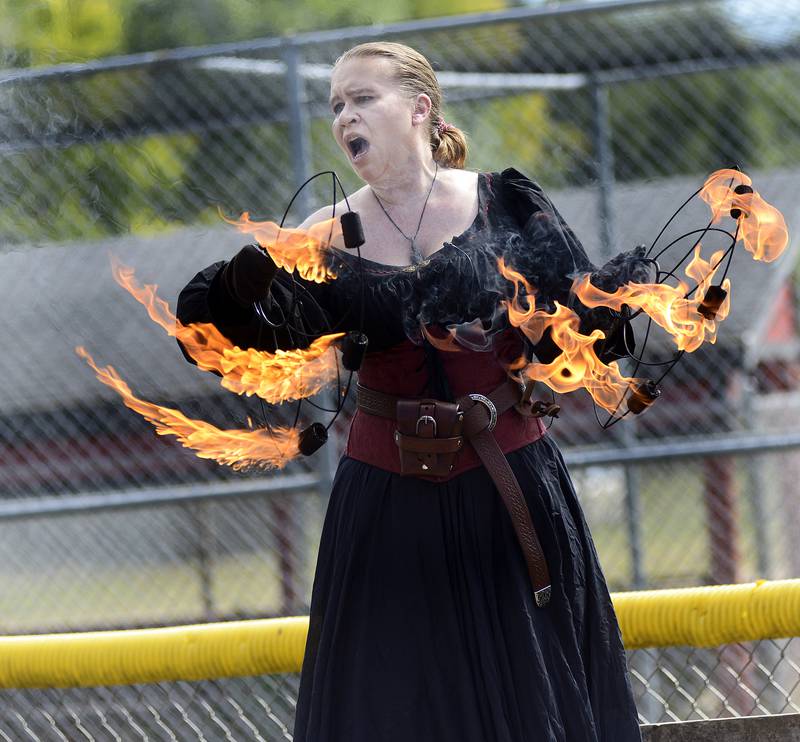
x=442 y=126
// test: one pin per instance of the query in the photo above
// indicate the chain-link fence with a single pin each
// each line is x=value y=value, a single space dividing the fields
x=250 y=552
x=676 y=683
x=618 y=110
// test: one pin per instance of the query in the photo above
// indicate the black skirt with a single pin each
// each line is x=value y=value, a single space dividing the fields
x=423 y=626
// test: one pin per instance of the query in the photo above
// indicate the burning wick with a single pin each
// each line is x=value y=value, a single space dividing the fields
x=763 y=232
x=740 y=190
x=312 y=438
x=352 y=230
x=712 y=302
x=642 y=395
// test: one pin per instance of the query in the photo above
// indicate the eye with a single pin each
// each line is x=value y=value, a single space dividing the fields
x=364 y=97
x=337 y=108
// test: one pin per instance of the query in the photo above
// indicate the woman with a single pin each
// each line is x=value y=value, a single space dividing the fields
x=425 y=624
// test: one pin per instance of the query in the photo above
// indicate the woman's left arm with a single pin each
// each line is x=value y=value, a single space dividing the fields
x=551 y=256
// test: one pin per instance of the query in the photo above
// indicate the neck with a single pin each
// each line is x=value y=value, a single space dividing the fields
x=406 y=184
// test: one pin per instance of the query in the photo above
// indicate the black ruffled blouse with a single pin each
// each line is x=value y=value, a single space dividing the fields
x=459 y=287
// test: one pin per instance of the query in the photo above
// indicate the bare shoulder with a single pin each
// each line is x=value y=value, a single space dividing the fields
x=326 y=212
x=458 y=175
x=318 y=216
x=463 y=182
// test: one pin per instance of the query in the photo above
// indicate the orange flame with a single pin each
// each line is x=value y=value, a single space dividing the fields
x=578 y=365
x=293 y=248
x=275 y=377
x=762 y=227
x=666 y=305
x=236 y=448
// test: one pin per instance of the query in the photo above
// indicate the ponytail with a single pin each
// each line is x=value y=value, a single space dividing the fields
x=449 y=144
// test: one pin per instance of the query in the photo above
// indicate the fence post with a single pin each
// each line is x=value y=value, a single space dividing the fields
x=633 y=509
x=326 y=459
x=604 y=165
x=755 y=478
x=291 y=553
x=604 y=168
x=198 y=511
x=648 y=704
x=299 y=125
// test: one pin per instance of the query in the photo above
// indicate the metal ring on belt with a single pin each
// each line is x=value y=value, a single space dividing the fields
x=489 y=406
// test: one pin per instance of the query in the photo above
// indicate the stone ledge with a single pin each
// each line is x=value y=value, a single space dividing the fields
x=775 y=728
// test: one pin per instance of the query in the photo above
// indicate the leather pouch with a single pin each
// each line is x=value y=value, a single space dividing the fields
x=428 y=436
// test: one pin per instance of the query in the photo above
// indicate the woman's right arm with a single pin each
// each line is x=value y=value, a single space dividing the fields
x=225 y=294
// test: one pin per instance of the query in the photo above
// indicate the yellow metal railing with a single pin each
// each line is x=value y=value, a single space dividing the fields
x=709 y=616
x=697 y=616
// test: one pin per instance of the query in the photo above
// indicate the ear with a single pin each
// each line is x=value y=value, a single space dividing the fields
x=422 y=109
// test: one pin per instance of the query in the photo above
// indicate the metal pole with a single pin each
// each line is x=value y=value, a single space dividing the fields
x=721 y=503
x=690 y=448
x=633 y=511
x=198 y=513
x=326 y=458
x=756 y=481
x=604 y=160
x=648 y=705
x=300 y=133
x=43 y=507
x=299 y=125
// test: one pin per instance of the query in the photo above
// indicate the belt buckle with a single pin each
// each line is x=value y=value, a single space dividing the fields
x=484 y=400
x=426 y=419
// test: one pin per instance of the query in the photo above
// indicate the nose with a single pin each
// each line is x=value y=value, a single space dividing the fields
x=347 y=115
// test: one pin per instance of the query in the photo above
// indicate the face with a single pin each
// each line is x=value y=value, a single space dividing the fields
x=374 y=122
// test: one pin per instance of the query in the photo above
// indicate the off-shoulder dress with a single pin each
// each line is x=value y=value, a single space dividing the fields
x=423 y=626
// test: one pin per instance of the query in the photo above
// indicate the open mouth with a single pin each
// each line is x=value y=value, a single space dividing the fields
x=358 y=147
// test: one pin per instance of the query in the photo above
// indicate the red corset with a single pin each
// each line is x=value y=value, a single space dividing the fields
x=401 y=371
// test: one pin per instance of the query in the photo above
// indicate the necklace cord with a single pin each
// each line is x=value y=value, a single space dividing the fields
x=416 y=255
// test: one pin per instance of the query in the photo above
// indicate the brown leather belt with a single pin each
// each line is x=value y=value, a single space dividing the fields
x=475 y=418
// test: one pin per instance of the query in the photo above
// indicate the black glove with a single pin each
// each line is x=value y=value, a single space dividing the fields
x=629 y=266
x=248 y=275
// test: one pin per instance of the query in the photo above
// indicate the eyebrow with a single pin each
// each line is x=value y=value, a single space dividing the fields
x=352 y=91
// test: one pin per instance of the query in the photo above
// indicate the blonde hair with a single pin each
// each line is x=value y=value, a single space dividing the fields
x=414 y=74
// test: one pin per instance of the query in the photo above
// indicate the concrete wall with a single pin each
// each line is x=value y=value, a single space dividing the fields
x=777 y=728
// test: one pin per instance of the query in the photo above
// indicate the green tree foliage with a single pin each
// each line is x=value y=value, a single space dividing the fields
x=48 y=31
x=145 y=147
x=51 y=31
x=679 y=125
x=160 y=25
x=661 y=126
x=198 y=157
x=521 y=131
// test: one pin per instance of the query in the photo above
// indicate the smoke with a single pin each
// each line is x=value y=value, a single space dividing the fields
x=459 y=288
